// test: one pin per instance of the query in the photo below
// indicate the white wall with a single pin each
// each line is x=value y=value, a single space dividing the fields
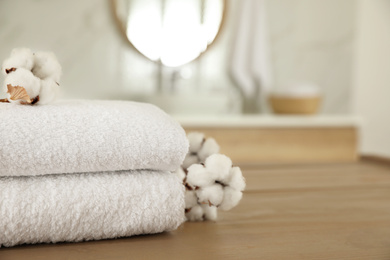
x=314 y=40
x=97 y=61
x=310 y=40
x=372 y=80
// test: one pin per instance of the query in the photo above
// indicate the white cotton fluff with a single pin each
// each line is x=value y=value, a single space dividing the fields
x=195 y=213
x=237 y=181
x=212 y=194
x=209 y=213
x=190 y=160
x=196 y=140
x=46 y=66
x=209 y=147
x=180 y=173
x=49 y=91
x=219 y=166
x=198 y=176
x=191 y=199
x=211 y=175
x=23 y=78
x=231 y=197
x=20 y=58
x=30 y=68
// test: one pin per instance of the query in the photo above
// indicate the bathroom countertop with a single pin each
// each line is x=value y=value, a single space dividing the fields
x=318 y=211
x=269 y=121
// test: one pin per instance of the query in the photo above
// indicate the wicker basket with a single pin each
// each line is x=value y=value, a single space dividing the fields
x=295 y=105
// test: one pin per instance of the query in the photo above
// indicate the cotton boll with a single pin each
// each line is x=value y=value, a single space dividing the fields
x=46 y=66
x=196 y=140
x=198 y=176
x=20 y=58
x=209 y=147
x=49 y=91
x=180 y=173
x=212 y=194
x=219 y=166
x=237 y=181
x=210 y=213
x=191 y=199
x=195 y=213
x=190 y=160
x=23 y=78
x=231 y=198
x=37 y=74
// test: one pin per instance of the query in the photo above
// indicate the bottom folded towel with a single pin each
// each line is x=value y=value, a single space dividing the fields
x=79 y=207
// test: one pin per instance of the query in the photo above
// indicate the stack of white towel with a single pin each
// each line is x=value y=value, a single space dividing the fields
x=85 y=170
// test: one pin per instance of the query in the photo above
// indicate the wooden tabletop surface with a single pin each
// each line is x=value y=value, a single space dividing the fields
x=332 y=211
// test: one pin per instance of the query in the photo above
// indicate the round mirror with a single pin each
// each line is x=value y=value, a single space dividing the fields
x=173 y=32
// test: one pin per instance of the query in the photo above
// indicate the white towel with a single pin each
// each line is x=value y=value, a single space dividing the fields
x=88 y=136
x=77 y=207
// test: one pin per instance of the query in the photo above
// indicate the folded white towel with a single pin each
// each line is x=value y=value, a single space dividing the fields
x=88 y=136
x=77 y=207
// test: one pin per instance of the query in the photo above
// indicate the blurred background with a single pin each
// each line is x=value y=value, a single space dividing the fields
x=225 y=64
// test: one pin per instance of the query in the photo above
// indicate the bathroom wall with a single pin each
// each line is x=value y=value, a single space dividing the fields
x=96 y=61
x=314 y=41
x=99 y=64
x=372 y=79
x=310 y=40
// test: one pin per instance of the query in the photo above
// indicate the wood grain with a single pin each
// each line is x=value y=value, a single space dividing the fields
x=317 y=176
x=285 y=145
x=328 y=211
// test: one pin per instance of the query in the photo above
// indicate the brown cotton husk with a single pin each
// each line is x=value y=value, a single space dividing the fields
x=19 y=93
x=10 y=70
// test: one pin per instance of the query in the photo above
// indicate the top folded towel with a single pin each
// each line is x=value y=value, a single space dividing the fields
x=88 y=136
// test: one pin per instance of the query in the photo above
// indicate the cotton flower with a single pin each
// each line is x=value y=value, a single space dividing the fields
x=180 y=173
x=209 y=212
x=202 y=212
x=189 y=160
x=210 y=179
x=22 y=78
x=231 y=198
x=195 y=140
x=208 y=148
x=49 y=91
x=20 y=58
x=191 y=199
x=46 y=66
x=236 y=181
x=219 y=166
x=226 y=185
x=31 y=77
x=198 y=176
x=200 y=148
x=195 y=213
x=211 y=195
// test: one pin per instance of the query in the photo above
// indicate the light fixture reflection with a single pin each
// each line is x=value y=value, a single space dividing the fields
x=174 y=32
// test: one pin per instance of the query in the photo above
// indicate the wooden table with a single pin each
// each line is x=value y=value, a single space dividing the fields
x=330 y=211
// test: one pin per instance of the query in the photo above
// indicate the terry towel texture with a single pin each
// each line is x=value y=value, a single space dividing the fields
x=76 y=207
x=88 y=136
